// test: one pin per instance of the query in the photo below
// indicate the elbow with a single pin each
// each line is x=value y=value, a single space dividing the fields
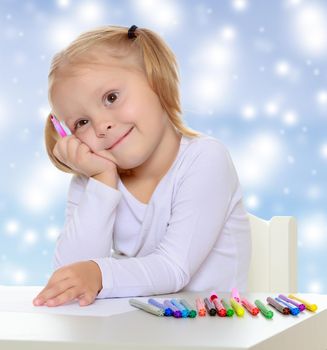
x=180 y=278
x=181 y=285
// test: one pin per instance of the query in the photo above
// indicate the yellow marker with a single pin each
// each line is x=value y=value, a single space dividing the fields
x=311 y=307
x=238 y=308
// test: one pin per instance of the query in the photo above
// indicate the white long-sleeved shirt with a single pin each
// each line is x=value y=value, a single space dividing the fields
x=193 y=234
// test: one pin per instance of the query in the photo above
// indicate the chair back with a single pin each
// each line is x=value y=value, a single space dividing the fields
x=273 y=266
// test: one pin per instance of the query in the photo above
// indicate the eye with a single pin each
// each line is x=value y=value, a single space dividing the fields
x=80 y=123
x=110 y=98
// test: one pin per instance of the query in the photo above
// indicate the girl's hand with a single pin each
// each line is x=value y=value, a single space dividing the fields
x=79 y=157
x=81 y=280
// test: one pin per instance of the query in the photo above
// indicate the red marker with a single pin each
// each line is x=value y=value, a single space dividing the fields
x=221 y=311
x=213 y=295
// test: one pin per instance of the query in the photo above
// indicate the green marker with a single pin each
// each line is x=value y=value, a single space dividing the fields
x=192 y=313
x=229 y=310
x=267 y=313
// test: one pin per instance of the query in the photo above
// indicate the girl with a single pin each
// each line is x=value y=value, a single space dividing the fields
x=153 y=207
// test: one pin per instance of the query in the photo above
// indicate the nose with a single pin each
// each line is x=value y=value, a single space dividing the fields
x=102 y=129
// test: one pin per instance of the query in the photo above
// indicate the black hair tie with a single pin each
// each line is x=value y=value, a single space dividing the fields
x=131 y=32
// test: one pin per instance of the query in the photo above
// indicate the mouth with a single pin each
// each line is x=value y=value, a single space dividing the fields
x=121 y=139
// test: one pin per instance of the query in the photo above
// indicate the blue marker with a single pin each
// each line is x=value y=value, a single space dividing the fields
x=168 y=311
x=293 y=309
x=176 y=312
x=183 y=310
x=191 y=312
x=291 y=301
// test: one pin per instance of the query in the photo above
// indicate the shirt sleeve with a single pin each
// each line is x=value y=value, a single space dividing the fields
x=89 y=219
x=199 y=210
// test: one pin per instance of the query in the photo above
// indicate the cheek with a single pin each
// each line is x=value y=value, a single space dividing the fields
x=144 y=108
x=88 y=137
x=128 y=112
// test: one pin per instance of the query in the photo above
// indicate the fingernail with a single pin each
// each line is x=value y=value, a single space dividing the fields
x=38 y=301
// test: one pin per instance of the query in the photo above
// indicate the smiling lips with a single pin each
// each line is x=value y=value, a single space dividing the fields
x=119 y=140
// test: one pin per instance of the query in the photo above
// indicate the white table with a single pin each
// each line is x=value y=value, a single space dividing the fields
x=139 y=330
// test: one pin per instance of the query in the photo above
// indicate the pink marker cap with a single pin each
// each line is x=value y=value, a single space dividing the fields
x=235 y=295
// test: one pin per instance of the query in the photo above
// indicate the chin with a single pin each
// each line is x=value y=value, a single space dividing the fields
x=125 y=167
x=129 y=160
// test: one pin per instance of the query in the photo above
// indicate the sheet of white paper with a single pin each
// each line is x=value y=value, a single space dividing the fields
x=20 y=299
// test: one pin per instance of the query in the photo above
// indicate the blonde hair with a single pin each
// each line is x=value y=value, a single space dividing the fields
x=155 y=57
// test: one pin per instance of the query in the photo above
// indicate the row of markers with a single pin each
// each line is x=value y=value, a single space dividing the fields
x=291 y=305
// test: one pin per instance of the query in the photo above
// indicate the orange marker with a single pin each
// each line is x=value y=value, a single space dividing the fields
x=200 y=307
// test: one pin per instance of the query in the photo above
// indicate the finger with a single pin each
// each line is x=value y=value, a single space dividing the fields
x=60 y=148
x=106 y=155
x=40 y=298
x=72 y=147
x=52 y=291
x=81 y=152
x=64 y=297
x=58 y=151
x=86 y=299
x=61 y=274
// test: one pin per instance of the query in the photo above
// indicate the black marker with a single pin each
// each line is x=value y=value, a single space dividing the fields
x=210 y=307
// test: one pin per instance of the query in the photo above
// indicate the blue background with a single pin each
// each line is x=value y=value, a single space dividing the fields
x=253 y=74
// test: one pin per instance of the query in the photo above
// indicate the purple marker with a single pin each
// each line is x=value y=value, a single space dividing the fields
x=291 y=301
x=167 y=310
x=60 y=127
x=176 y=312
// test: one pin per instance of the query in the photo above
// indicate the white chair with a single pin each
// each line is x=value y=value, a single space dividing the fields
x=273 y=266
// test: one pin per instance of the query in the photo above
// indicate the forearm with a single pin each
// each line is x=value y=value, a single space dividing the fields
x=88 y=228
x=142 y=276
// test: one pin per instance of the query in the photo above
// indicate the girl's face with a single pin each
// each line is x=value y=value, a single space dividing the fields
x=110 y=107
